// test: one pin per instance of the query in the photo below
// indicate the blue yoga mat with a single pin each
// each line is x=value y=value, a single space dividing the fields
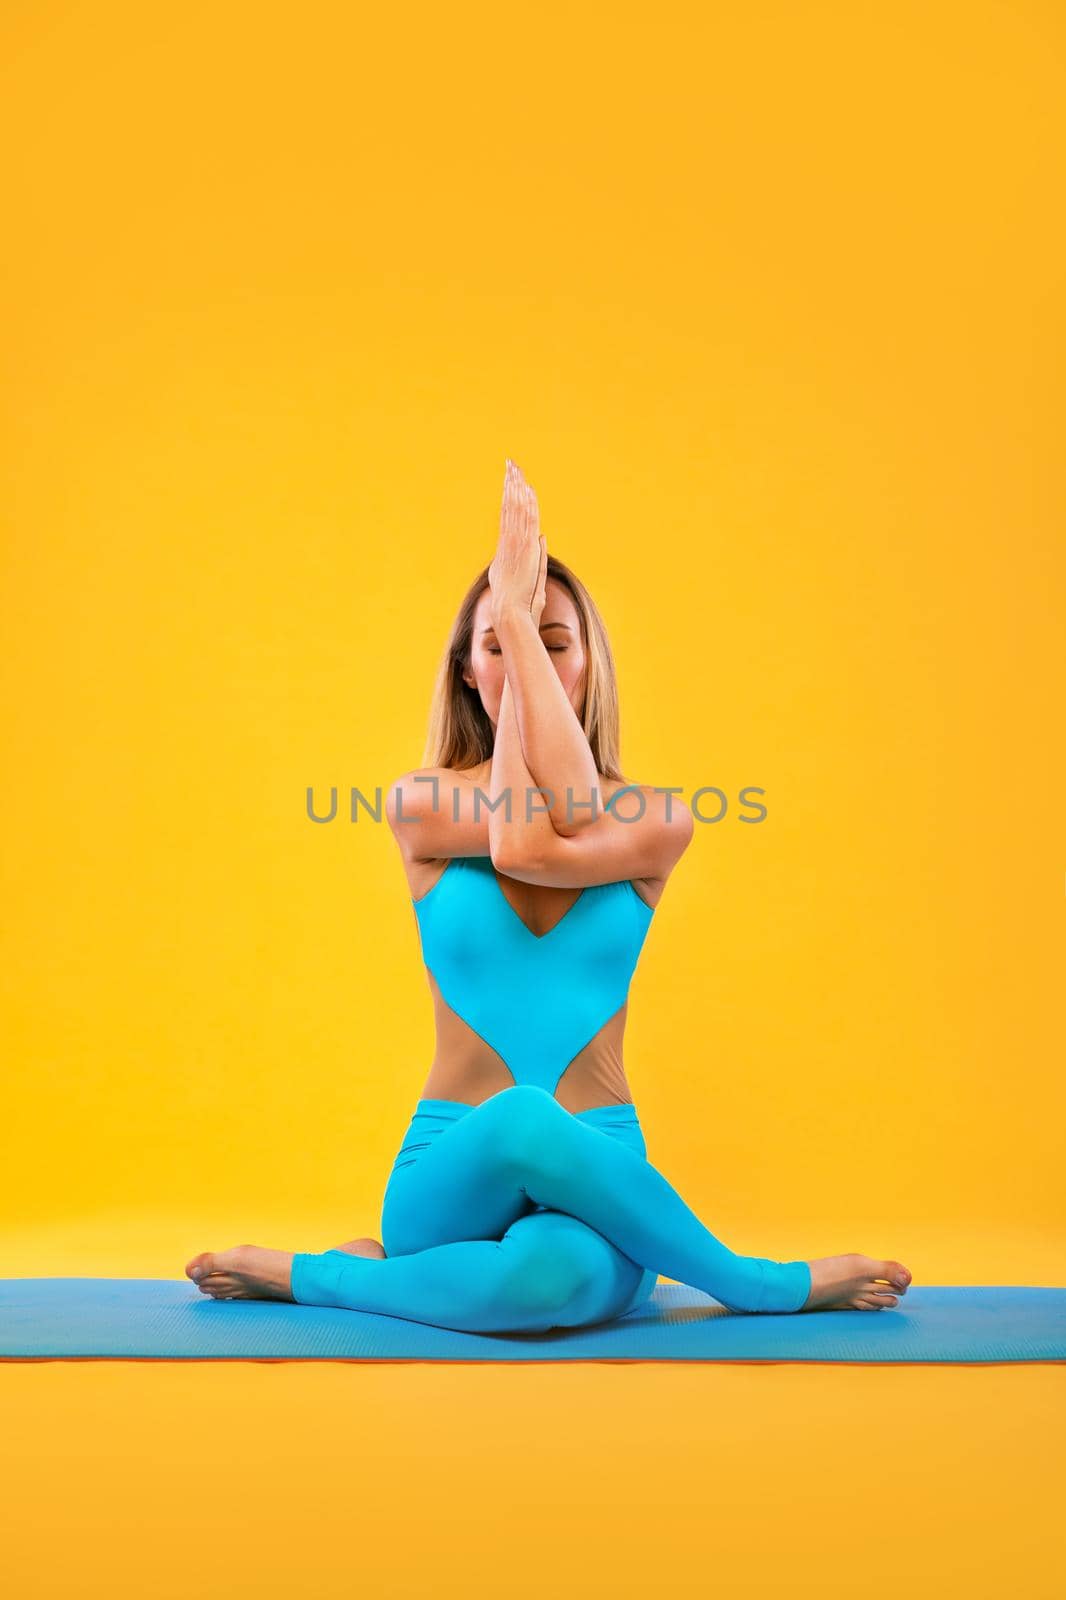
x=167 y=1319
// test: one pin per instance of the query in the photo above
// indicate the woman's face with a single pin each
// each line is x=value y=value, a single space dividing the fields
x=560 y=632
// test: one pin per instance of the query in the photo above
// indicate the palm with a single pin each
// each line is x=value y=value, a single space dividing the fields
x=519 y=568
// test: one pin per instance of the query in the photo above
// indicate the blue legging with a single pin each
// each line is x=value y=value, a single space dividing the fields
x=517 y=1215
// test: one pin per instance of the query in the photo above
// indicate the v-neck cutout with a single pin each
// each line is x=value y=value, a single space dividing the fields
x=522 y=923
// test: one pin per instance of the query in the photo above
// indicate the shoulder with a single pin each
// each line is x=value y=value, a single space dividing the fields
x=426 y=796
x=418 y=790
x=661 y=805
x=669 y=814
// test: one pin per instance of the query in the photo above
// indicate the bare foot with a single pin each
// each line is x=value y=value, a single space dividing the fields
x=855 y=1283
x=364 y=1247
x=247 y=1272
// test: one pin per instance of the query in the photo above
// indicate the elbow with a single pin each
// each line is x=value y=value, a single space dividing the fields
x=586 y=809
x=573 y=826
x=510 y=858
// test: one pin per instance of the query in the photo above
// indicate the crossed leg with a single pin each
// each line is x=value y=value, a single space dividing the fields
x=464 y=1251
x=548 y=1270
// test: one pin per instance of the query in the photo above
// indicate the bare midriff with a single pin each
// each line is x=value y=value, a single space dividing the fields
x=466 y=1068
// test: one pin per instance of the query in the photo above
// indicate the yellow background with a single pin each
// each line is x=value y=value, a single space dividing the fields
x=766 y=302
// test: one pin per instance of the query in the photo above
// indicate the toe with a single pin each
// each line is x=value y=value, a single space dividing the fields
x=897 y=1274
x=217 y=1286
x=200 y=1266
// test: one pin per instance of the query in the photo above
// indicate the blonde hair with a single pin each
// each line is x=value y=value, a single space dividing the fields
x=460 y=733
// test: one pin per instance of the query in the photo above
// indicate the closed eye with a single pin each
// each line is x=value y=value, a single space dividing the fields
x=494 y=650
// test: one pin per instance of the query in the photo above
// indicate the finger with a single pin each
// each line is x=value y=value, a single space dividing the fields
x=507 y=514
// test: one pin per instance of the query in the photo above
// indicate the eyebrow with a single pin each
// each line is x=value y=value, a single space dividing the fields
x=543 y=625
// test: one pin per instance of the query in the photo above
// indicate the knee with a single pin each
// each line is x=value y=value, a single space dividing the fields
x=544 y=1282
x=529 y=1126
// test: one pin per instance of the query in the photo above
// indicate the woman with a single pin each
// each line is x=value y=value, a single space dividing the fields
x=521 y=1198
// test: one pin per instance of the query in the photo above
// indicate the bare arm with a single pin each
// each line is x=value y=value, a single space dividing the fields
x=554 y=744
x=611 y=849
x=513 y=838
x=434 y=812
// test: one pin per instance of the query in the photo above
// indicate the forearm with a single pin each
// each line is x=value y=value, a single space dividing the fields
x=511 y=836
x=553 y=743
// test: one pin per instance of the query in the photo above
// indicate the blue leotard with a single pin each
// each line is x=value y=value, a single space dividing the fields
x=537 y=1000
x=516 y=1214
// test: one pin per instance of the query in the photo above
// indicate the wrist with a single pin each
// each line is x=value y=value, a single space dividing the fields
x=510 y=615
